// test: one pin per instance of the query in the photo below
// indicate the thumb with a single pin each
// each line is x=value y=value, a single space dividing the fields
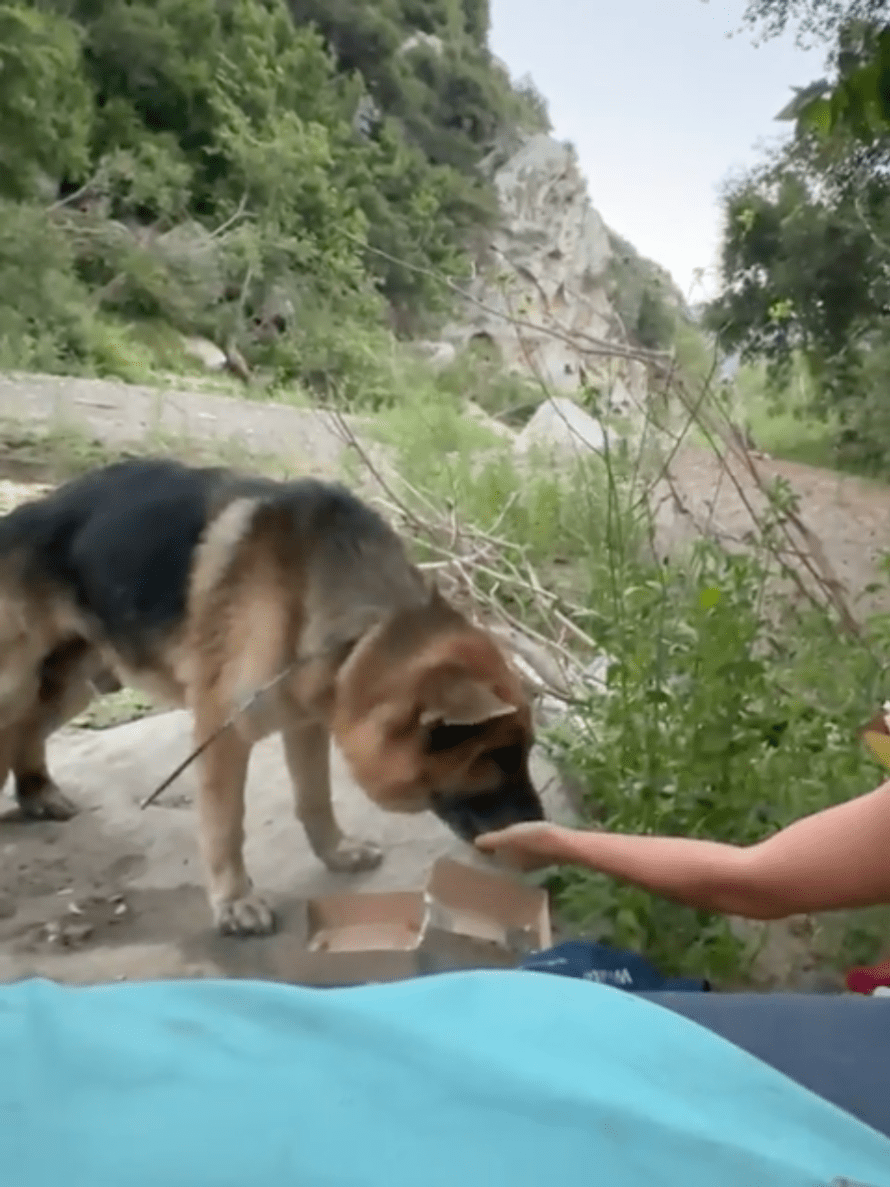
x=511 y=835
x=490 y=840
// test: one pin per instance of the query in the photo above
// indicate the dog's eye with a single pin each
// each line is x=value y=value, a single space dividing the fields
x=446 y=737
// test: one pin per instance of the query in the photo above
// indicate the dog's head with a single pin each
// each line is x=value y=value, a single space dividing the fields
x=430 y=715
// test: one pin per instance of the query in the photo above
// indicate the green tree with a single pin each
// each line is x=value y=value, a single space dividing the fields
x=857 y=98
x=226 y=165
x=857 y=101
x=46 y=105
x=814 y=21
x=806 y=251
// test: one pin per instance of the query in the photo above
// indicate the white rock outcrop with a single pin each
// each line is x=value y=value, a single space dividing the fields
x=547 y=265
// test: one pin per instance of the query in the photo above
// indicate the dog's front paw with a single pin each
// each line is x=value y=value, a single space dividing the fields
x=43 y=801
x=352 y=857
x=247 y=916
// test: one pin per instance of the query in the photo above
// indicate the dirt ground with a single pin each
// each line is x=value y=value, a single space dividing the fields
x=116 y=892
x=850 y=517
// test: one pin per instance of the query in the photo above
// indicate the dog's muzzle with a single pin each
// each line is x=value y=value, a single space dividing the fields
x=469 y=817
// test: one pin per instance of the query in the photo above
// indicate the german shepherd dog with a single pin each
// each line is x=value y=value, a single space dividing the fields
x=261 y=606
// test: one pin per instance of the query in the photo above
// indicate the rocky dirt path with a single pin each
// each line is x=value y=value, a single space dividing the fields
x=118 y=415
x=850 y=516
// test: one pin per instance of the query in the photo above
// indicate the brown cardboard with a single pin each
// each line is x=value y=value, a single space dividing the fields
x=330 y=969
x=354 y=939
x=393 y=922
x=464 y=918
x=488 y=907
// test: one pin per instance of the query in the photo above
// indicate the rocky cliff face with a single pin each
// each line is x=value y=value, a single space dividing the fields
x=549 y=264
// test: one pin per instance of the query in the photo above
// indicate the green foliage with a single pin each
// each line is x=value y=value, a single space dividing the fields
x=806 y=249
x=478 y=374
x=52 y=324
x=806 y=276
x=532 y=110
x=654 y=326
x=727 y=712
x=793 y=265
x=813 y=20
x=716 y=725
x=46 y=108
x=778 y=416
x=229 y=167
x=857 y=103
x=643 y=297
x=345 y=363
x=428 y=66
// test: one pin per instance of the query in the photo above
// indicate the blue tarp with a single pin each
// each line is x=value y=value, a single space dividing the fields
x=619 y=967
x=506 y=1079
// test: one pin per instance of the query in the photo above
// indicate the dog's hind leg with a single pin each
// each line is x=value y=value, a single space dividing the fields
x=38 y=796
x=23 y=750
x=307 y=750
x=64 y=689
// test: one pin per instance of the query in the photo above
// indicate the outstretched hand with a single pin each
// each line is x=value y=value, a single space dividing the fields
x=522 y=846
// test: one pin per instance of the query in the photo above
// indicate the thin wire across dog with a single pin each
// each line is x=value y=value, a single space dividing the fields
x=244 y=707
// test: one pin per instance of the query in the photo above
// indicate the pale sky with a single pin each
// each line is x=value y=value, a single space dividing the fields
x=660 y=105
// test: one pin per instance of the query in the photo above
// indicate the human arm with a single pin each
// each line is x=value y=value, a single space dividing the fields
x=834 y=859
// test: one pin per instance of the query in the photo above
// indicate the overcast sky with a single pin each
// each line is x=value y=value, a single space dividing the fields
x=660 y=105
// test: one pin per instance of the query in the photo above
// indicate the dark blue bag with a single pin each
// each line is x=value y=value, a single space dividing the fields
x=590 y=961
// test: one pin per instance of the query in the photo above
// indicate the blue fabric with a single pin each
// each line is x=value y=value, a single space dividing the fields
x=618 y=967
x=494 y=1078
x=837 y=1045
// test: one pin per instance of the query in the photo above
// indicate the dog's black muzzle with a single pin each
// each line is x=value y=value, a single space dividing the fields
x=469 y=817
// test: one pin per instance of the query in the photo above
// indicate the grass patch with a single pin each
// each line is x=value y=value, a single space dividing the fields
x=781 y=422
x=116 y=708
x=793 y=437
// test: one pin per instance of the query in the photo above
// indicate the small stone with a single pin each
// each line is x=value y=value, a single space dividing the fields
x=77 y=933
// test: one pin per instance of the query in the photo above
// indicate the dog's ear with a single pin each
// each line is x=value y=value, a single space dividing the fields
x=463 y=701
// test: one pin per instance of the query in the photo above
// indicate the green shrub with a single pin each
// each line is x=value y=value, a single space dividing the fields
x=728 y=713
x=48 y=319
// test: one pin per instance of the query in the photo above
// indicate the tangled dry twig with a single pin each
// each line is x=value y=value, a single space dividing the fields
x=487 y=575
x=493 y=578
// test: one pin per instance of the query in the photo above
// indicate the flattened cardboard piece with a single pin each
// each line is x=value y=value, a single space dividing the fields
x=465 y=918
x=876 y=736
x=392 y=922
x=356 y=939
x=488 y=907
